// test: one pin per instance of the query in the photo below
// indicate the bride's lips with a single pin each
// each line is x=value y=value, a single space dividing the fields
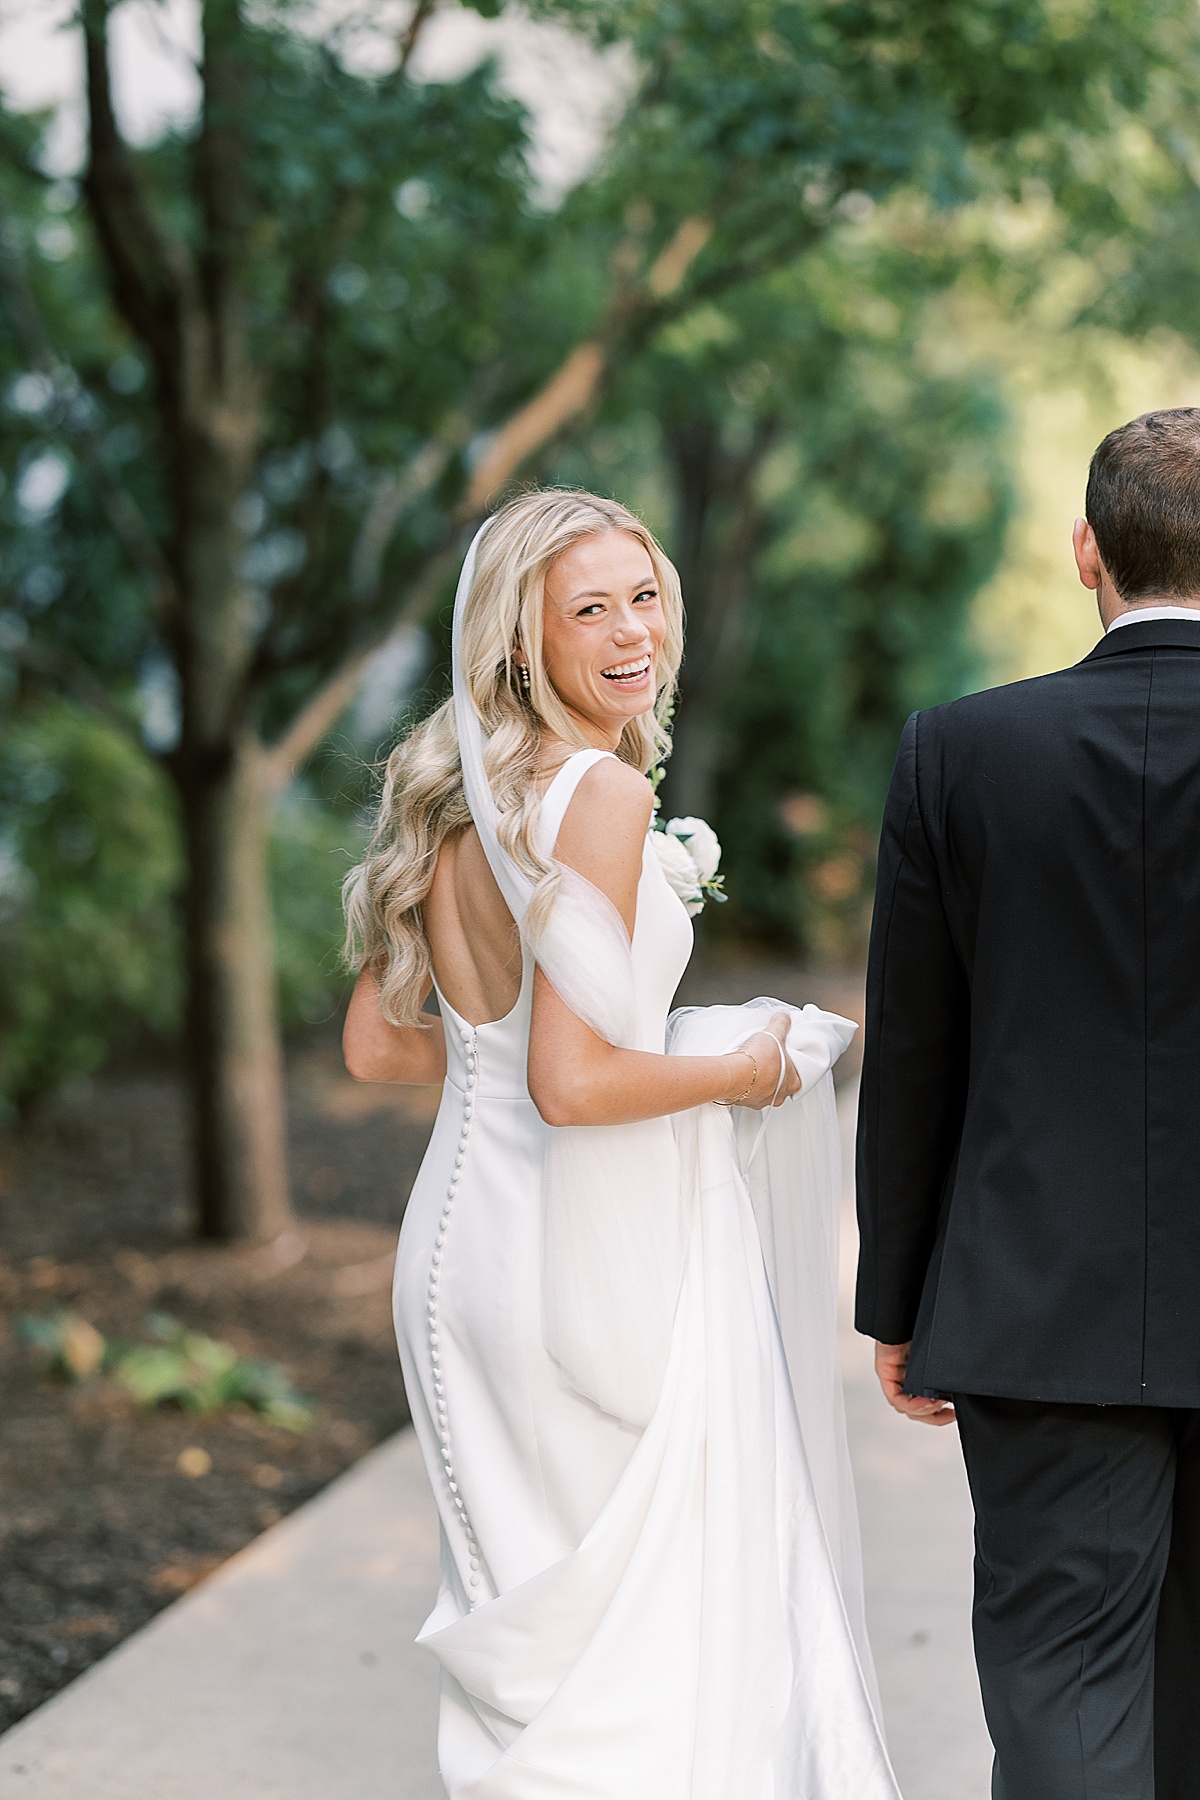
x=632 y=674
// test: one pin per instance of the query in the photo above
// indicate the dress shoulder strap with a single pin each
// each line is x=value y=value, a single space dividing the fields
x=559 y=794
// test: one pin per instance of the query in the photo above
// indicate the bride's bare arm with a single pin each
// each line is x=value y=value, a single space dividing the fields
x=575 y=1078
x=376 y=1050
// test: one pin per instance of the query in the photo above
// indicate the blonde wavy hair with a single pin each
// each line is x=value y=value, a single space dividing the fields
x=422 y=802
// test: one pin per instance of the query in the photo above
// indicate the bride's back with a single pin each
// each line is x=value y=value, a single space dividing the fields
x=473 y=941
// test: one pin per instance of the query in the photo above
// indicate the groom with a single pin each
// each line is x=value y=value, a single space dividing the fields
x=1029 y=1147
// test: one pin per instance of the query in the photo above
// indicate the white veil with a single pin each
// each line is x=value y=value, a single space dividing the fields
x=611 y=1266
x=583 y=948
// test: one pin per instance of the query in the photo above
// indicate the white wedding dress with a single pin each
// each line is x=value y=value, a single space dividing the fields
x=619 y=1344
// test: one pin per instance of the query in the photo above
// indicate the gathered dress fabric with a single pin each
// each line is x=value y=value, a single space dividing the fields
x=632 y=1422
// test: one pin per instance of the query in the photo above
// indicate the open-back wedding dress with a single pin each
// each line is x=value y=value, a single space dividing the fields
x=620 y=1350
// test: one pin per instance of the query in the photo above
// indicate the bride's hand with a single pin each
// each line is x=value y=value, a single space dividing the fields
x=767 y=1047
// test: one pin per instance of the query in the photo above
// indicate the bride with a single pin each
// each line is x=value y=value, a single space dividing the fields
x=615 y=1284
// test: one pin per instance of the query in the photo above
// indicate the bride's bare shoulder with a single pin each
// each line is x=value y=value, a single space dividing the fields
x=610 y=794
x=605 y=826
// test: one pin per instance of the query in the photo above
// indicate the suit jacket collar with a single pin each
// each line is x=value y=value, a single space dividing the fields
x=1148 y=634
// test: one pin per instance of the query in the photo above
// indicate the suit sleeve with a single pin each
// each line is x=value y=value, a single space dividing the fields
x=914 y=1062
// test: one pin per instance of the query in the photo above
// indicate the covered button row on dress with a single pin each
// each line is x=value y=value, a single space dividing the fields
x=435 y=1350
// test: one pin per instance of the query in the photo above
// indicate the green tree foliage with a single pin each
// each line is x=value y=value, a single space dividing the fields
x=403 y=293
x=314 y=840
x=90 y=866
x=891 y=520
x=90 y=862
x=260 y=375
x=305 y=302
x=835 y=499
x=391 y=239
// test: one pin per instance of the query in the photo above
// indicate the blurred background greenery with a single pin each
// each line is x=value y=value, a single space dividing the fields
x=840 y=298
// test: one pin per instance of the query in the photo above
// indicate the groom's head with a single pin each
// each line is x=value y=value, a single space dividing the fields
x=1140 y=541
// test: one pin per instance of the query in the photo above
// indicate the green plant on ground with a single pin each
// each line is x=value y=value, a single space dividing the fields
x=181 y=1368
x=72 y=1347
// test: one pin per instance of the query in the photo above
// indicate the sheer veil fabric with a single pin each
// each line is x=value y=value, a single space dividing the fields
x=697 y=1632
x=611 y=1269
x=583 y=948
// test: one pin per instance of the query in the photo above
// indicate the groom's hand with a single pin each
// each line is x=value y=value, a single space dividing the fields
x=891 y=1363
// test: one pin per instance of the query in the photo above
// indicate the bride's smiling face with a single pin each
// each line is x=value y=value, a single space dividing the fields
x=602 y=629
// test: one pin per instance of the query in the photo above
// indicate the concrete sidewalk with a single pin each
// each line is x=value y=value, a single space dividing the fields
x=916 y=1519
x=292 y=1674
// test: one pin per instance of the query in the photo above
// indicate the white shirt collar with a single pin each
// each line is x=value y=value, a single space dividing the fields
x=1137 y=613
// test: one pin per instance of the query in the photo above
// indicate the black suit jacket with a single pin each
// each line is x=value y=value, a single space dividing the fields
x=1029 y=1133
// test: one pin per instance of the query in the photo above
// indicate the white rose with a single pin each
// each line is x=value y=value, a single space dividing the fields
x=678 y=866
x=702 y=843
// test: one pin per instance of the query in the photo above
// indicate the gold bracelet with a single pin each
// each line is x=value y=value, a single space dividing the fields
x=738 y=1098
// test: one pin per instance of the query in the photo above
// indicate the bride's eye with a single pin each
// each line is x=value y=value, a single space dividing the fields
x=646 y=594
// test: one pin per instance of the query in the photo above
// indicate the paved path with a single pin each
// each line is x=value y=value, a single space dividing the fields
x=916 y=1527
x=292 y=1675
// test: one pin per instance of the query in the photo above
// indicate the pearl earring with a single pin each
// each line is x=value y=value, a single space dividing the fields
x=523 y=669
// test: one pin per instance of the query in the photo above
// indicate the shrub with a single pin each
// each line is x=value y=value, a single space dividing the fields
x=89 y=864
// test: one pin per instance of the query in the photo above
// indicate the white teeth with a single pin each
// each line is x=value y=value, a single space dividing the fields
x=632 y=668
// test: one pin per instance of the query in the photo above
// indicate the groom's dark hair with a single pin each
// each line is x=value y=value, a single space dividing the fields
x=1143 y=503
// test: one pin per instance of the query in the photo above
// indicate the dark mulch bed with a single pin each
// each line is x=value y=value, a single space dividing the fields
x=100 y=1526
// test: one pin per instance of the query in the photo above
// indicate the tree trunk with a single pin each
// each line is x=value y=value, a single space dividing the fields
x=237 y=1081
x=186 y=300
x=717 y=527
x=690 y=786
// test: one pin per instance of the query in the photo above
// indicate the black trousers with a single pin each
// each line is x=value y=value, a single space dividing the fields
x=1087 y=1597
